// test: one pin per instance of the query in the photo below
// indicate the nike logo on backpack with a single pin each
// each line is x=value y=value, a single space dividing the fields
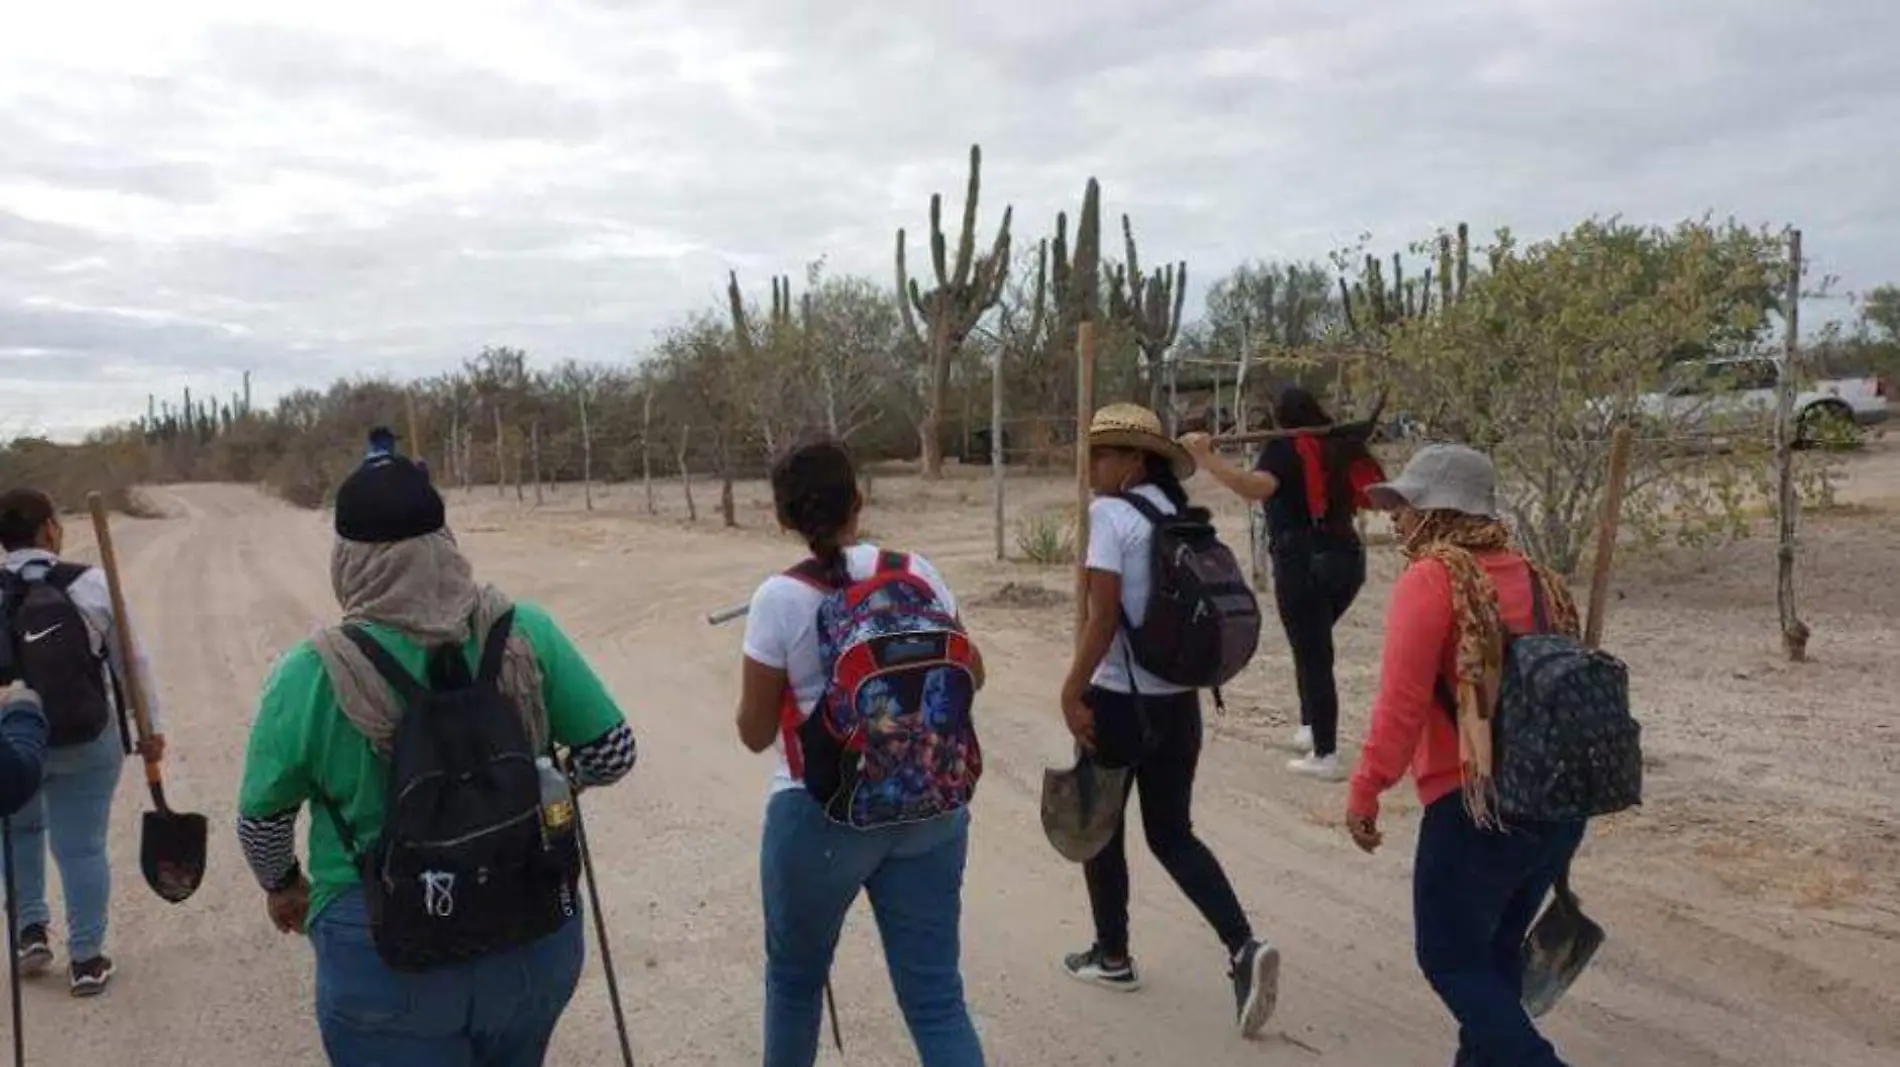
x=31 y=636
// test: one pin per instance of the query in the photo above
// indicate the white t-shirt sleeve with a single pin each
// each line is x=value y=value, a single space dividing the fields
x=922 y=568
x=771 y=622
x=1105 y=535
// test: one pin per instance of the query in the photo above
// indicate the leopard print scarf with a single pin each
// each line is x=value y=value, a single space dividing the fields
x=1455 y=540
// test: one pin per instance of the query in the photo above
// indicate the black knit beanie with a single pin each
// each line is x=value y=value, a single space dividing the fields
x=388 y=498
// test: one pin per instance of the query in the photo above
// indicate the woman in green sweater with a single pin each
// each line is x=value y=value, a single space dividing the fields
x=323 y=737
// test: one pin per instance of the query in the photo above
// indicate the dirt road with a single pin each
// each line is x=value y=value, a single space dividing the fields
x=229 y=579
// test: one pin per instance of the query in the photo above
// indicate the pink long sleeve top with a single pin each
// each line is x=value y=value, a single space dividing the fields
x=1411 y=727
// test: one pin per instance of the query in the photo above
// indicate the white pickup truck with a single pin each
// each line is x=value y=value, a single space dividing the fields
x=1737 y=391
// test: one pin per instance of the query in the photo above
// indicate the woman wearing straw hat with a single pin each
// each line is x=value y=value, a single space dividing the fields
x=1129 y=717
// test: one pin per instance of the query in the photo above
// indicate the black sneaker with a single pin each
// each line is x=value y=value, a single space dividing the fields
x=1256 y=975
x=90 y=977
x=36 y=951
x=1093 y=968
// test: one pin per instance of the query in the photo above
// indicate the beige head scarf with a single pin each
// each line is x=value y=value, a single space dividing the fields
x=424 y=588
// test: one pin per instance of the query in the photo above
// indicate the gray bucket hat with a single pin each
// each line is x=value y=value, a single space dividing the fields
x=1443 y=478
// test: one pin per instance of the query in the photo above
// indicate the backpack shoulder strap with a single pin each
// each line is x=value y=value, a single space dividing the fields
x=404 y=683
x=1142 y=504
x=62 y=575
x=892 y=563
x=1540 y=611
x=495 y=648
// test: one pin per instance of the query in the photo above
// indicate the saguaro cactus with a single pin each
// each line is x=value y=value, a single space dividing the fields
x=1078 y=277
x=1150 y=305
x=1374 y=307
x=952 y=308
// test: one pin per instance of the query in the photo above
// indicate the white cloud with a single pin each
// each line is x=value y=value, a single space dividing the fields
x=193 y=189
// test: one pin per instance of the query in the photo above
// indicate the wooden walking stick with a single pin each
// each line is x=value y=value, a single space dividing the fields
x=1363 y=427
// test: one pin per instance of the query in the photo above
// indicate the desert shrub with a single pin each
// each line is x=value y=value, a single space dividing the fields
x=69 y=472
x=1549 y=348
x=1047 y=539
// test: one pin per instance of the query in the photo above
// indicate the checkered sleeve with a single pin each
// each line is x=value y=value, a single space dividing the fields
x=607 y=759
x=270 y=847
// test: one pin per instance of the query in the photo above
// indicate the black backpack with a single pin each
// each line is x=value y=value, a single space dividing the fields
x=49 y=647
x=1564 y=744
x=1202 y=624
x=463 y=867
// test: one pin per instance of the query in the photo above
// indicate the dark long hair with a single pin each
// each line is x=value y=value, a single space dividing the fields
x=815 y=492
x=1297 y=408
x=1158 y=472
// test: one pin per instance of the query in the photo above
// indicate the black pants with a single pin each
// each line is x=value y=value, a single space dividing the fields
x=1314 y=581
x=1164 y=773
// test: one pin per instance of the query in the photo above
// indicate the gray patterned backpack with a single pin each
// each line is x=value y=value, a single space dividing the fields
x=1566 y=746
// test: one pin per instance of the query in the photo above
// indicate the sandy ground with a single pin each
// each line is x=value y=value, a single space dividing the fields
x=1752 y=904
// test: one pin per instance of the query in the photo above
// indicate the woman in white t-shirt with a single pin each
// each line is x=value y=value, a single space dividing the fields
x=1128 y=717
x=810 y=868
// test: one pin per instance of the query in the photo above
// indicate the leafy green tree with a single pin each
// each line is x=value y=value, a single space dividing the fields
x=1550 y=348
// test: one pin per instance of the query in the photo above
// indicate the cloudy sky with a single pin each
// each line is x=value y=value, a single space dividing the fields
x=193 y=189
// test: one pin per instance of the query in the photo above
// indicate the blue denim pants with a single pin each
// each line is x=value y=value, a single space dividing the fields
x=1475 y=894
x=810 y=872
x=70 y=814
x=497 y=1011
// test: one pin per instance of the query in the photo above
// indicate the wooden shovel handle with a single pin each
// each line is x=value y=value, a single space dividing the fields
x=134 y=685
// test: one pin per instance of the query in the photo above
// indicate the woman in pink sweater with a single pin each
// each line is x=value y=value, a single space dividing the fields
x=1477 y=885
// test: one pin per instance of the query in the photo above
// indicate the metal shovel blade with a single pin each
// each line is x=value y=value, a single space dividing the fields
x=1082 y=806
x=172 y=853
x=1557 y=949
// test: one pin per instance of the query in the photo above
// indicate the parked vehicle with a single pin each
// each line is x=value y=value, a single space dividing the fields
x=1735 y=394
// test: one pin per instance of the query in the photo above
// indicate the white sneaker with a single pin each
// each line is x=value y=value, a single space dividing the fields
x=1322 y=767
x=1303 y=739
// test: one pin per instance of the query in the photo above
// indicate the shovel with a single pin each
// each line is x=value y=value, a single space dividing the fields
x=1558 y=948
x=1082 y=806
x=1563 y=940
x=172 y=845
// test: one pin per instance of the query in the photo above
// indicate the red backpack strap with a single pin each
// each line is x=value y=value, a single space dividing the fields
x=788 y=722
x=892 y=562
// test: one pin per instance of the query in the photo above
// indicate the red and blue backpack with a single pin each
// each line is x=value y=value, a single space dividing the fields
x=891 y=739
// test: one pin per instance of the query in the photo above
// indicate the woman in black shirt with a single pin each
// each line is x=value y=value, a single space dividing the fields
x=1310 y=487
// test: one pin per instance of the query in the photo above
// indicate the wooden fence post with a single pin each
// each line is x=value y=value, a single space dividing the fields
x=587 y=456
x=1794 y=632
x=534 y=450
x=998 y=457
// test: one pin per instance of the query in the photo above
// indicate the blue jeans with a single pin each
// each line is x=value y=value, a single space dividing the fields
x=497 y=1011
x=1474 y=896
x=71 y=813
x=810 y=871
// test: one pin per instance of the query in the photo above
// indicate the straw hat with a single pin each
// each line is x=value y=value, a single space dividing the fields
x=1134 y=426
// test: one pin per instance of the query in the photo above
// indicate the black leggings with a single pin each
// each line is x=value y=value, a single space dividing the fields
x=1164 y=773
x=1314 y=582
